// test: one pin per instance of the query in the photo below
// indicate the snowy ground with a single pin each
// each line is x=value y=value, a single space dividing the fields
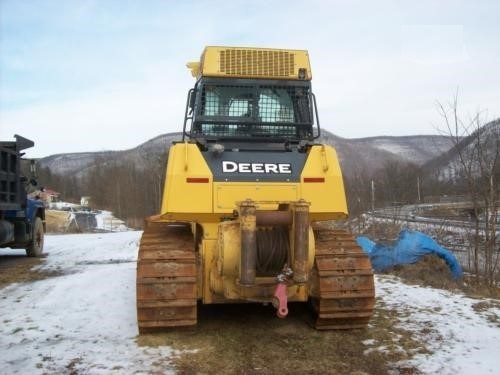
x=85 y=320
x=463 y=334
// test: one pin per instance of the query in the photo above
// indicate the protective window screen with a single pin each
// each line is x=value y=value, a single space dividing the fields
x=255 y=110
x=243 y=130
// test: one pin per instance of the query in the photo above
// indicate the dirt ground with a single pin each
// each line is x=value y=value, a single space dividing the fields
x=250 y=339
x=56 y=221
x=19 y=268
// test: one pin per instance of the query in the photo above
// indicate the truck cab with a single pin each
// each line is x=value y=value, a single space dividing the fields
x=22 y=219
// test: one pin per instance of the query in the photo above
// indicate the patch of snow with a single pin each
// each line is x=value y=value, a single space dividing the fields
x=63 y=206
x=369 y=342
x=84 y=320
x=461 y=339
x=404 y=150
x=107 y=222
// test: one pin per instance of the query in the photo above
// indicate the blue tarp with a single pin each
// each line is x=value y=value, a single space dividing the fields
x=410 y=247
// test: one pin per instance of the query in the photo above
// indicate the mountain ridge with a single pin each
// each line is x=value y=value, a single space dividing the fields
x=355 y=154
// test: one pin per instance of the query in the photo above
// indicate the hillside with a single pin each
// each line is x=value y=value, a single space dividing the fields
x=77 y=163
x=418 y=148
x=354 y=154
x=448 y=162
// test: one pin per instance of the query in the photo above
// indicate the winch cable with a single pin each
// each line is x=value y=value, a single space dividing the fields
x=272 y=249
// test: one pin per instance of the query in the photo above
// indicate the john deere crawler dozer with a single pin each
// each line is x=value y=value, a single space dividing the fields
x=247 y=194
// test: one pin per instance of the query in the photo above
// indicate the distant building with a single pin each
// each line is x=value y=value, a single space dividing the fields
x=85 y=201
x=47 y=196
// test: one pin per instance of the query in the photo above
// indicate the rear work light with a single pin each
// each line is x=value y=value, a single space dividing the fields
x=314 y=179
x=197 y=180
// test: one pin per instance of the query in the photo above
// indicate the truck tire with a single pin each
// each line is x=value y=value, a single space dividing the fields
x=35 y=248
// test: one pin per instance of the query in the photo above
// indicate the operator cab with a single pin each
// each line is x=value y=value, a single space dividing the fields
x=226 y=107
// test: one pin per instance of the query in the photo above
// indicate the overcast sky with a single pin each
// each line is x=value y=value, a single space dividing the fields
x=109 y=75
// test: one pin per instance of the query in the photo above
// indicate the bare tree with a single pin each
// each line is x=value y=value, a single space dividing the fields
x=399 y=182
x=476 y=146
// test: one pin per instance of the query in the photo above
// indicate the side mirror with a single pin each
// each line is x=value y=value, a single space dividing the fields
x=33 y=174
x=192 y=100
x=33 y=167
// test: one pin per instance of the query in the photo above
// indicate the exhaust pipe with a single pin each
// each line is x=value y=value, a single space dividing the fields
x=300 y=241
x=248 y=232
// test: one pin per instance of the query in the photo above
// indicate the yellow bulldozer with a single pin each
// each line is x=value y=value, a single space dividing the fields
x=249 y=201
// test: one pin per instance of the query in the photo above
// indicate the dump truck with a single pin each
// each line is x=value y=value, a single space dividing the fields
x=22 y=218
x=250 y=201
